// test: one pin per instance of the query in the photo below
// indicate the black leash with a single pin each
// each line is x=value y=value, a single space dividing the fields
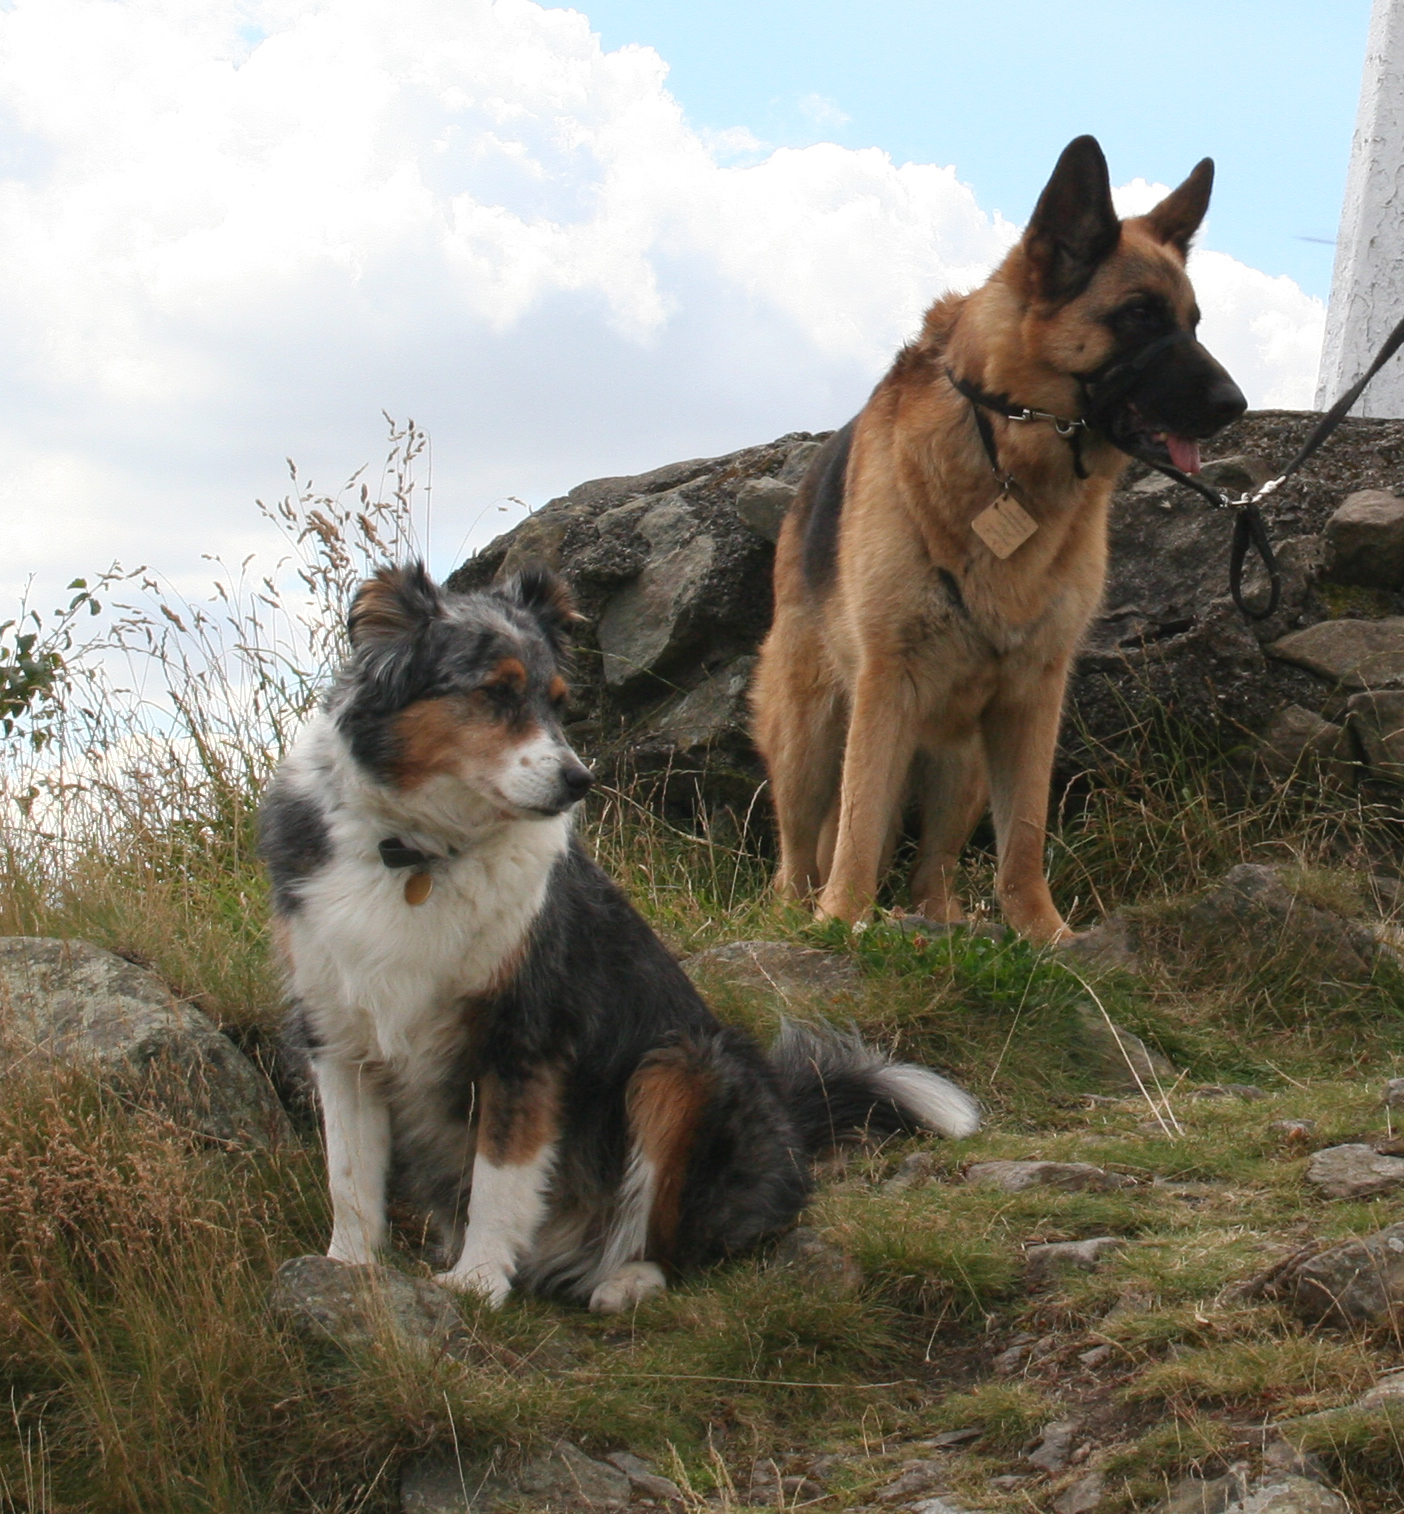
x=1249 y=528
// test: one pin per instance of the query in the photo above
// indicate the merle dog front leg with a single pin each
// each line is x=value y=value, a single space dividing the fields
x=518 y=1131
x=356 y=1124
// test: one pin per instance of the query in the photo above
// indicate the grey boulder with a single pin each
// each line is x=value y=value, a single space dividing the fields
x=1366 y=539
x=78 y=1004
x=355 y=1307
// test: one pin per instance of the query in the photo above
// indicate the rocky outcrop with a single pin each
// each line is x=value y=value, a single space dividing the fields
x=76 y=1003
x=672 y=573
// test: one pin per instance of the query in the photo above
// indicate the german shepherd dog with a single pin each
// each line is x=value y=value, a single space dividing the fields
x=492 y=1028
x=948 y=547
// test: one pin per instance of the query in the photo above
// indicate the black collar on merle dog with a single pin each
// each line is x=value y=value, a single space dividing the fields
x=395 y=854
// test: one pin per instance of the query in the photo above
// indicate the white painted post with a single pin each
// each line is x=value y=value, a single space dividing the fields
x=1367 y=286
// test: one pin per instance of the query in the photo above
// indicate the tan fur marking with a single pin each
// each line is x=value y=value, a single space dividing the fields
x=447 y=735
x=557 y=689
x=516 y=1121
x=666 y=1100
x=508 y=674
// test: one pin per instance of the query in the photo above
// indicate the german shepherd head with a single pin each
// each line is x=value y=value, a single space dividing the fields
x=1093 y=316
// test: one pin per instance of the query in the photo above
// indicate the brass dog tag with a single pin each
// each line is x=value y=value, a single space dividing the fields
x=1005 y=526
x=418 y=887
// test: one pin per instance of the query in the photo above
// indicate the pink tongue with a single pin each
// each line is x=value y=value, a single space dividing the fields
x=1184 y=453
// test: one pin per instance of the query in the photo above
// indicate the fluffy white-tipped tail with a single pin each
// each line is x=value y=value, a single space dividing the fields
x=835 y=1087
x=928 y=1099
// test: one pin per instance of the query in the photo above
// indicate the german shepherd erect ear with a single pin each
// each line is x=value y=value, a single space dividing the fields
x=1074 y=225
x=392 y=605
x=1176 y=219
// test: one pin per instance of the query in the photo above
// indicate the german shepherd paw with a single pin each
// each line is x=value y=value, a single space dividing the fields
x=629 y=1287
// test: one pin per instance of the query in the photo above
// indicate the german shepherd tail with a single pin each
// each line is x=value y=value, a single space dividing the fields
x=835 y=1087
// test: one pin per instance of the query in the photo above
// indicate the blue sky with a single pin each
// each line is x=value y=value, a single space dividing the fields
x=572 y=243
x=1267 y=88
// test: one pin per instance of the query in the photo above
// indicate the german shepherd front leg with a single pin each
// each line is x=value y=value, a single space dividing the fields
x=1020 y=728
x=877 y=757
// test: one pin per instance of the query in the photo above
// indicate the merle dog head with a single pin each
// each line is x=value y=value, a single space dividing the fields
x=1108 y=308
x=462 y=690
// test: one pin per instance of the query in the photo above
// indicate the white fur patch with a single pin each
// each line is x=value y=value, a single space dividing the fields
x=505 y=1212
x=357 y=1126
x=530 y=778
x=627 y=1288
x=929 y=1098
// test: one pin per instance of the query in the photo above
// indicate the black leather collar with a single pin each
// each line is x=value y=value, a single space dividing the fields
x=395 y=854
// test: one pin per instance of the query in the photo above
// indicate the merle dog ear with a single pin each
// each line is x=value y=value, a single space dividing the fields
x=393 y=605
x=1176 y=219
x=1074 y=226
x=544 y=596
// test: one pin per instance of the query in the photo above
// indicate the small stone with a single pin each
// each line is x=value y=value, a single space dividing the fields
x=1009 y=1361
x=1377 y=719
x=645 y=1478
x=566 y=1475
x=1082 y=1497
x=762 y=503
x=438 y=1483
x=1280 y=1455
x=914 y=1171
x=1069 y=1256
x=1294 y=1132
x=949 y=1438
x=1366 y=536
x=1296 y=738
x=1354 y=1172
x=356 y=1306
x=1055 y=1446
x=1357 y=654
x=940 y=1506
x=817 y=1262
x=1070 y=1177
x=1119 y=1060
x=1394 y=1094
x=1358 y=1283
x=1096 y=1356
x=916 y=1477
x=1284 y=1493
x=1197 y=1495
x=1011 y=1480
x=789 y=972
x=1387 y=1393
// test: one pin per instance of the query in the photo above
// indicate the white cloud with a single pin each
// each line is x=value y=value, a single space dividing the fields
x=232 y=230
x=822 y=111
